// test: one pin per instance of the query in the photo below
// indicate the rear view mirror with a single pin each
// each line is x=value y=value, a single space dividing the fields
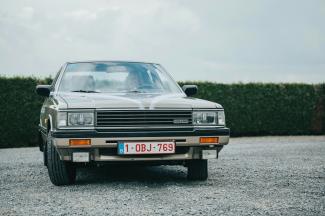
x=190 y=90
x=43 y=90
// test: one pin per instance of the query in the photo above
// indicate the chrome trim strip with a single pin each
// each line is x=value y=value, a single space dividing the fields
x=58 y=81
x=146 y=127
x=142 y=127
x=208 y=109
x=147 y=109
x=76 y=128
x=185 y=156
x=51 y=122
x=77 y=110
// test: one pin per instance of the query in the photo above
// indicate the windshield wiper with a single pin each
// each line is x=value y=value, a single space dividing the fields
x=86 y=91
x=134 y=91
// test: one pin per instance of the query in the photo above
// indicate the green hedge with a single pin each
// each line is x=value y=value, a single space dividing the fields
x=269 y=109
x=251 y=109
x=19 y=113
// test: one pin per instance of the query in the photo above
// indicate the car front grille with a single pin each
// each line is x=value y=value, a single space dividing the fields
x=139 y=118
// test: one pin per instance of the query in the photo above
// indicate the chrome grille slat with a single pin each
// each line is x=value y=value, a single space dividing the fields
x=143 y=117
x=136 y=114
x=142 y=114
x=138 y=118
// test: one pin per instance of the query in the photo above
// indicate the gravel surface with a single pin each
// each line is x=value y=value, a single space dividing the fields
x=253 y=176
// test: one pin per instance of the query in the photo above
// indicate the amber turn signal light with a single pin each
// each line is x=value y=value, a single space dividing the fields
x=204 y=140
x=79 y=142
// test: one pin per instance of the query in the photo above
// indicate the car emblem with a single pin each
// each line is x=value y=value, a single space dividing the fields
x=180 y=121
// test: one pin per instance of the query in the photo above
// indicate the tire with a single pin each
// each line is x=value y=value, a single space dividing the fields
x=42 y=148
x=40 y=142
x=60 y=172
x=45 y=154
x=197 y=170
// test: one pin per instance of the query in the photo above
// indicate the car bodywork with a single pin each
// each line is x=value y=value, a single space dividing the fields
x=129 y=109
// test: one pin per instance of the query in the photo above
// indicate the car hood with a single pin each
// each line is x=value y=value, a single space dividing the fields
x=134 y=101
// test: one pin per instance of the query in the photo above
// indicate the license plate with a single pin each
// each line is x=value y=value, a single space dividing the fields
x=209 y=154
x=80 y=157
x=128 y=148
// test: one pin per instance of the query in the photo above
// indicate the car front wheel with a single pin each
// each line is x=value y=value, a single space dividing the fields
x=197 y=170
x=60 y=172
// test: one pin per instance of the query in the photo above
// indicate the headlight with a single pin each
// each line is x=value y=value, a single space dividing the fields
x=208 y=118
x=80 y=119
x=75 y=119
x=204 y=118
x=221 y=118
x=62 y=119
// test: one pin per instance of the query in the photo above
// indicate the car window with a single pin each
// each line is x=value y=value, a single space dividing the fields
x=117 y=78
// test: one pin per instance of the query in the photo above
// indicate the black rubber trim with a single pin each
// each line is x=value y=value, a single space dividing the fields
x=96 y=134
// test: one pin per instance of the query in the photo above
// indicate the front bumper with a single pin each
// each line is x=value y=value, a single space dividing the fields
x=104 y=144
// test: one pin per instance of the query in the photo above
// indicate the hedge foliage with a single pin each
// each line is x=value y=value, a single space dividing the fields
x=251 y=109
x=269 y=109
x=19 y=113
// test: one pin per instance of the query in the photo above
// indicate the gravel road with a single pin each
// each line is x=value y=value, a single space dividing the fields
x=253 y=176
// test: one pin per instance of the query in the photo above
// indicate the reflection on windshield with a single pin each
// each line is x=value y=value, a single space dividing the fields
x=117 y=78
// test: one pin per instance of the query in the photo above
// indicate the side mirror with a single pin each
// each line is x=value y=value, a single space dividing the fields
x=43 y=90
x=190 y=90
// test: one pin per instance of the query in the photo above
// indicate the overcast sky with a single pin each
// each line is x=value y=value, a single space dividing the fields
x=216 y=40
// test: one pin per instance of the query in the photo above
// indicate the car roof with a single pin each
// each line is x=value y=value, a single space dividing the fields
x=107 y=61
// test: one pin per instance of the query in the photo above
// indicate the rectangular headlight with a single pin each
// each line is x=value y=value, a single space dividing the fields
x=75 y=119
x=209 y=118
x=204 y=118
x=81 y=119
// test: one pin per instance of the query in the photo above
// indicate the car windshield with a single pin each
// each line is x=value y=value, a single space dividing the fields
x=117 y=77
